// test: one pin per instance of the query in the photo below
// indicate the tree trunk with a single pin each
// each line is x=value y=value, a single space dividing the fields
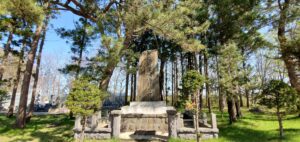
x=161 y=79
x=201 y=89
x=134 y=87
x=247 y=98
x=126 y=88
x=166 y=83
x=20 y=122
x=238 y=108
x=6 y=53
x=176 y=81
x=207 y=86
x=36 y=75
x=280 y=123
x=245 y=78
x=106 y=76
x=182 y=64
x=17 y=80
x=221 y=96
x=241 y=99
x=197 y=117
x=131 y=88
x=190 y=61
x=109 y=69
x=231 y=112
x=290 y=63
x=173 y=74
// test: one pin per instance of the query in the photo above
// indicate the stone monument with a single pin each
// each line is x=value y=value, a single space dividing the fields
x=148 y=113
x=146 y=118
x=148 y=77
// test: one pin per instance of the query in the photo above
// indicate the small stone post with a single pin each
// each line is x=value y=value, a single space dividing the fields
x=94 y=121
x=213 y=121
x=78 y=123
x=116 y=123
x=172 y=123
x=180 y=123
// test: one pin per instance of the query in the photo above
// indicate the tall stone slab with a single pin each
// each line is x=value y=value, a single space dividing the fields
x=148 y=77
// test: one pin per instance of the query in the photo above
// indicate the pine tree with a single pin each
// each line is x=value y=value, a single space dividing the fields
x=230 y=60
x=37 y=70
x=279 y=95
x=84 y=99
x=32 y=5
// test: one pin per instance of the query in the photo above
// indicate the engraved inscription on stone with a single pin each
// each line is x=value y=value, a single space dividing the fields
x=148 y=77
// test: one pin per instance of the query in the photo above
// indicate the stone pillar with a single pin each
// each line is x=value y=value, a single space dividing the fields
x=99 y=115
x=172 y=123
x=194 y=121
x=180 y=123
x=78 y=123
x=214 y=121
x=116 y=123
x=94 y=121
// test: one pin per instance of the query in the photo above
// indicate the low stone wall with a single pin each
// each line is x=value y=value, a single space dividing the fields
x=144 y=122
x=101 y=133
x=189 y=133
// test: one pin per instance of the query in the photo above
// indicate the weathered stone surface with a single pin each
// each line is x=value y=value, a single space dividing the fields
x=202 y=130
x=189 y=133
x=98 y=130
x=145 y=107
x=93 y=135
x=180 y=122
x=148 y=77
x=172 y=123
x=116 y=123
x=213 y=121
x=78 y=123
x=142 y=122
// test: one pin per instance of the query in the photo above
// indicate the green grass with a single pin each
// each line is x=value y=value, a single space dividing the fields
x=252 y=128
x=49 y=128
x=255 y=128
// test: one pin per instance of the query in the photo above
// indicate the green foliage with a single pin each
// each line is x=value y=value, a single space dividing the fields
x=81 y=38
x=192 y=81
x=278 y=94
x=85 y=97
x=29 y=10
x=173 y=20
x=230 y=61
x=3 y=96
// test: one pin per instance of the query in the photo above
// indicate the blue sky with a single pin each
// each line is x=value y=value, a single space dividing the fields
x=57 y=47
x=54 y=45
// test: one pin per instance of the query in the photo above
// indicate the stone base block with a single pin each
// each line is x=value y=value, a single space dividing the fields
x=102 y=133
x=94 y=136
x=189 y=133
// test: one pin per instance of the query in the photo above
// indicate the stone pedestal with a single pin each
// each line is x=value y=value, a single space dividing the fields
x=172 y=123
x=116 y=123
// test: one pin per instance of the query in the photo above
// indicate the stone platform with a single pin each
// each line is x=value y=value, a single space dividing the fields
x=158 y=107
x=145 y=116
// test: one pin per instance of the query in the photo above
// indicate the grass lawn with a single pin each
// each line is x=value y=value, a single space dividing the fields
x=252 y=128
x=47 y=128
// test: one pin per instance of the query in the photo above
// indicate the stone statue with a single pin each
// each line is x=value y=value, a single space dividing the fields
x=148 y=77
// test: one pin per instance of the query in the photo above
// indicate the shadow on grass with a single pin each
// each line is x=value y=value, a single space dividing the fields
x=238 y=133
x=50 y=128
